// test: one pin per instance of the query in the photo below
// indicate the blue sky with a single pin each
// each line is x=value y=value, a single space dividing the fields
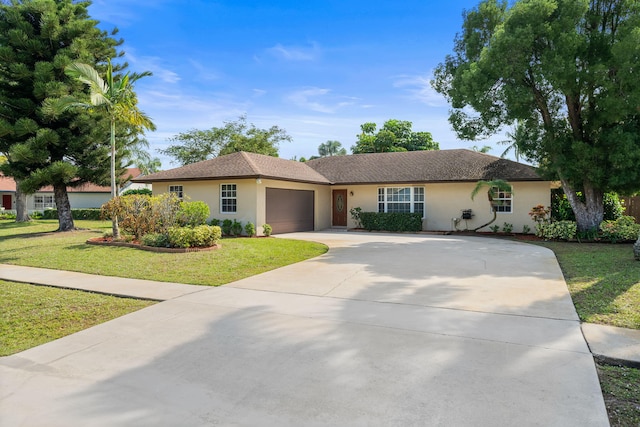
x=318 y=69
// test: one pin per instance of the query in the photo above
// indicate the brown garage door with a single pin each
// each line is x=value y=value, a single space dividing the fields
x=289 y=210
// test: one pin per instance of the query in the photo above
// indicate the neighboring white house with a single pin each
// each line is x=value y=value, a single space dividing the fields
x=84 y=197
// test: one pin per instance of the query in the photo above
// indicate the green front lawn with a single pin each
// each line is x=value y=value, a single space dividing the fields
x=31 y=315
x=35 y=245
x=604 y=281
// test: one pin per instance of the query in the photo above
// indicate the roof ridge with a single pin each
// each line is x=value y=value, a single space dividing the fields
x=252 y=164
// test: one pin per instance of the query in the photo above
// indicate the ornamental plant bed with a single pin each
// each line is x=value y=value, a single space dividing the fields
x=108 y=241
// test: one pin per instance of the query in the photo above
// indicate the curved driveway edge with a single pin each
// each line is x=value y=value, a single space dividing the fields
x=381 y=330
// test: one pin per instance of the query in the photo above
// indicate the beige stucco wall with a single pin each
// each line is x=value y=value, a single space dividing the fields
x=446 y=201
x=442 y=201
x=251 y=198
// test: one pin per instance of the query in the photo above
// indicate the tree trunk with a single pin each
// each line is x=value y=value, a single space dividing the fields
x=22 y=213
x=115 y=228
x=636 y=249
x=65 y=220
x=589 y=214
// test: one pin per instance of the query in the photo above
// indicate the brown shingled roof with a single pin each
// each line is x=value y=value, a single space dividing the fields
x=421 y=166
x=411 y=166
x=240 y=165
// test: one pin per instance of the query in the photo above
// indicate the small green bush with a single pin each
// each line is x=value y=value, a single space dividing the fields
x=507 y=228
x=236 y=228
x=267 y=230
x=214 y=221
x=250 y=229
x=560 y=230
x=158 y=240
x=91 y=214
x=7 y=215
x=189 y=237
x=495 y=228
x=391 y=221
x=526 y=229
x=621 y=230
x=138 y=191
x=192 y=214
x=226 y=227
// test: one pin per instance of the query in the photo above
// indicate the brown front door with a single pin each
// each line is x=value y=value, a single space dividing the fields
x=340 y=208
x=6 y=201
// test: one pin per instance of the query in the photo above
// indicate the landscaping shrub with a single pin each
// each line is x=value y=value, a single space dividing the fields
x=214 y=221
x=623 y=229
x=391 y=221
x=355 y=215
x=250 y=229
x=560 y=230
x=193 y=214
x=140 y=215
x=267 y=230
x=236 y=228
x=226 y=227
x=138 y=191
x=92 y=214
x=158 y=240
x=188 y=237
x=7 y=215
x=507 y=228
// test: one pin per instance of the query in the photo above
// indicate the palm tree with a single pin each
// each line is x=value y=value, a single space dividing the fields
x=493 y=188
x=331 y=148
x=118 y=99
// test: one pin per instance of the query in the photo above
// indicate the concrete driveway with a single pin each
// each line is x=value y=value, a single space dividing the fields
x=382 y=330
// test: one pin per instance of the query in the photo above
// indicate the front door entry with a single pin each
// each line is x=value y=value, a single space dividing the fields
x=340 y=208
x=6 y=201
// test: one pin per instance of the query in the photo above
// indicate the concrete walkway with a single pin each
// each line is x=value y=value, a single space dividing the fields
x=381 y=330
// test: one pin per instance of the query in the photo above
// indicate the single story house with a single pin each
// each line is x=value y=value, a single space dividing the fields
x=83 y=197
x=294 y=196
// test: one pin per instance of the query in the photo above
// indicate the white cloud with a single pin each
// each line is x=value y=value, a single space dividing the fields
x=153 y=64
x=310 y=98
x=295 y=53
x=419 y=88
x=259 y=92
x=204 y=72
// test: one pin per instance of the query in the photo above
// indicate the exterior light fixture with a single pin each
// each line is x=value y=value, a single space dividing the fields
x=258 y=181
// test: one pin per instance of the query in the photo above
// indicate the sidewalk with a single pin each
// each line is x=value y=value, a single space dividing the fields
x=607 y=343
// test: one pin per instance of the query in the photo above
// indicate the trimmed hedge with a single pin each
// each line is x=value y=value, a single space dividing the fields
x=92 y=214
x=200 y=236
x=391 y=221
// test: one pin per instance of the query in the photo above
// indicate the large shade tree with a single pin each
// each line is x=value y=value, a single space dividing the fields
x=564 y=71
x=38 y=39
x=395 y=135
x=198 y=145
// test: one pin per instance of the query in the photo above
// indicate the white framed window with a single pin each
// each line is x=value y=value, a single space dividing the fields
x=44 y=202
x=401 y=199
x=502 y=199
x=228 y=198
x=177 y=190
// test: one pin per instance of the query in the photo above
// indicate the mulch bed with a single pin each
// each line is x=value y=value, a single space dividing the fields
x=107 y=241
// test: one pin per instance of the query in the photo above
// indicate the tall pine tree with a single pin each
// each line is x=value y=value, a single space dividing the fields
x=38 y=39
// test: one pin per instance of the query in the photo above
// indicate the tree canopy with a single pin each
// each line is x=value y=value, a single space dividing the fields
x=331 y=148
x=564 y=71
x=395 y=135
x=197 y=145
x=38 y=39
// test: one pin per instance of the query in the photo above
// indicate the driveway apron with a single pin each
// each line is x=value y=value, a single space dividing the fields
x=383 y=329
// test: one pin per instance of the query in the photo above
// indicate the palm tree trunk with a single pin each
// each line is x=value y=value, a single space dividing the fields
x=495 y=215
x=114 y=221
